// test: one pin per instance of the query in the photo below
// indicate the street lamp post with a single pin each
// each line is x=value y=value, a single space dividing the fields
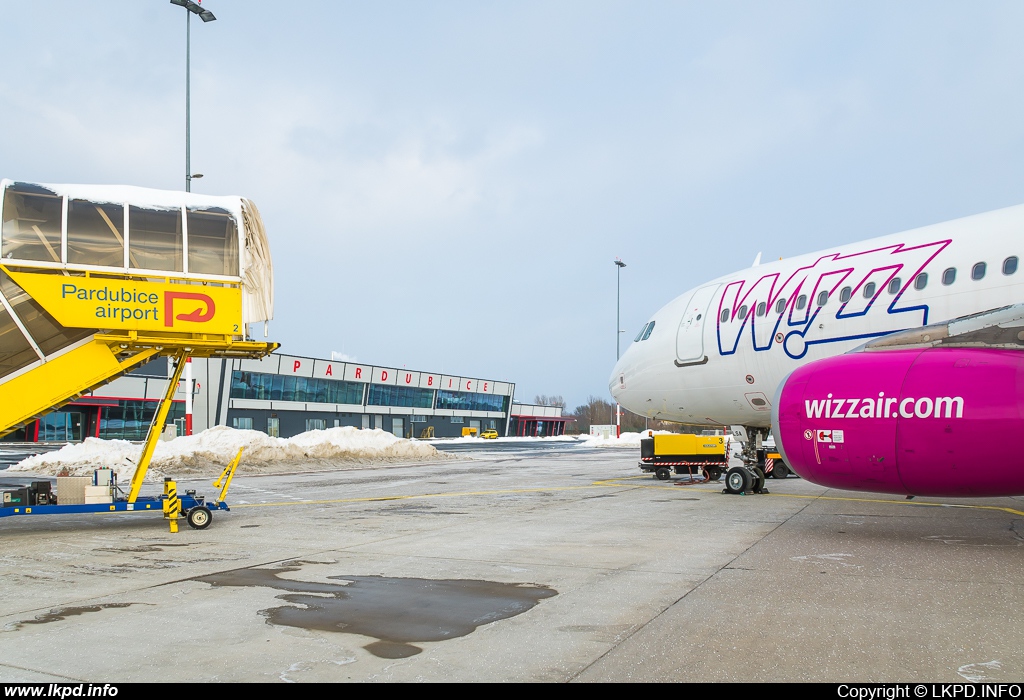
x=193 y=8
x=618 y=333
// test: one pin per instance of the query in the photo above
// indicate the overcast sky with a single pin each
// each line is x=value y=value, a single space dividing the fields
x=447 y=184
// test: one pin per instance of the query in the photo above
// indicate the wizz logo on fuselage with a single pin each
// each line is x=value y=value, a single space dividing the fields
x=776 y=311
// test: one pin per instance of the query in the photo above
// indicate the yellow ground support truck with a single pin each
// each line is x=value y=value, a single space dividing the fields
x=690 y=454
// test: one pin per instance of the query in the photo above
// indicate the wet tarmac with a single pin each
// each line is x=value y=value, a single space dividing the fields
x=395 y=611
x=555 y=565
x=64 y=613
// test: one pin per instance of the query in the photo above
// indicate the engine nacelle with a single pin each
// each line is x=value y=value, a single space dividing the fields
x=924 y=422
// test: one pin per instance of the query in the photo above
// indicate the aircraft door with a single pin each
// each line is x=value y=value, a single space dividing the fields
x=690 y=337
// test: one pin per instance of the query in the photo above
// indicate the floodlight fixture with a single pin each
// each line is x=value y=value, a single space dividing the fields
x=194 y=8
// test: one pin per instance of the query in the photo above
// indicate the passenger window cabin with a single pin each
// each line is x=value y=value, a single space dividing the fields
x=31 y=224
x=95 y=234
x=121 y=235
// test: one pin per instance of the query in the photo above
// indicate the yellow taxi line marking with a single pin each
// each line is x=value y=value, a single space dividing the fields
x=370 y=499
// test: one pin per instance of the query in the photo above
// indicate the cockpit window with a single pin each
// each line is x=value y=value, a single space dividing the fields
x=641 y=333
x=647 y=333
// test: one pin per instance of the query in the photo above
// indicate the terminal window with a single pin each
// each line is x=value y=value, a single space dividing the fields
x=469 y=401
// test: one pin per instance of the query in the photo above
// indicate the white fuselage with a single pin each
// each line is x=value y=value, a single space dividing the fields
x=717 y=353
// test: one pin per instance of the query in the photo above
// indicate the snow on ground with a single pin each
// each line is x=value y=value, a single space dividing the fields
x=625 y=440
x=211 y=450
x=514 y=438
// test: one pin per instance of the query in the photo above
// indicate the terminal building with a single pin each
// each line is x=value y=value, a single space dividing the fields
x=284 y=395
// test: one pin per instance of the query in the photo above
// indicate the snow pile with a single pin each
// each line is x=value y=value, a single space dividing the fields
x=625 y=440
x=511 y=438
x=211 y=450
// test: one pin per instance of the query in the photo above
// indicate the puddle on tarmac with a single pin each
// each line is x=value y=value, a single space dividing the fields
x=62 y=614
x=396 y=611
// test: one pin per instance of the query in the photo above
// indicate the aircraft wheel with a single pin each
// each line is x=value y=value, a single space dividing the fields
x=758 y=480
x=738 y=480
x=663 y=473
x=199 y=518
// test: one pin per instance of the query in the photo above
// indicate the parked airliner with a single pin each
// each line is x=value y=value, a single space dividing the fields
x=884 y=365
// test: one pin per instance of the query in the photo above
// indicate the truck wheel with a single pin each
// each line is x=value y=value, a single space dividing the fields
x=199 y=518
x=714 y=474
x=738 y=480
x=781 y=471
x=663 y=473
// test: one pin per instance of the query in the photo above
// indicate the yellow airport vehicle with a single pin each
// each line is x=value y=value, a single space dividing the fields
x=96 y=280
x=664 y=453
x=469 y=432
x=489 y=434
x=774 y=466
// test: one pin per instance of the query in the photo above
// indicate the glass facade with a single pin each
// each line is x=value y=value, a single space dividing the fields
x=277 y=387
x=405 y=396
x=466 y=401
x=130 y=420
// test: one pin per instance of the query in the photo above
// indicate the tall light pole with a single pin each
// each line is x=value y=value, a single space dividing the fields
x=618 y=333
x=193 y=8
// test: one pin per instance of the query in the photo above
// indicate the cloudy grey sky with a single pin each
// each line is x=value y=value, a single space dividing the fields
x=447 y=184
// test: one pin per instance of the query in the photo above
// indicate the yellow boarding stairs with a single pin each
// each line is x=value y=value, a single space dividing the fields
x=96 y=281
